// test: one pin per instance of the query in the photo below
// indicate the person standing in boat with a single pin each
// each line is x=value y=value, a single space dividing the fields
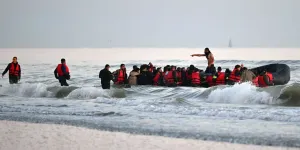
x=210 y=60
x=14 y=71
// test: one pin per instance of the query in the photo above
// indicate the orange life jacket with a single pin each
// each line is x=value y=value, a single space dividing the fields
x=121 y=77
x=233 y=77
x=14 y=71
x=255 y=81
x=169 y=77
x=59 y=70
x=179 y=78
x=209 y=80
x=221 y=78
x=261 y=80
x=196 y=78
x=156 y=79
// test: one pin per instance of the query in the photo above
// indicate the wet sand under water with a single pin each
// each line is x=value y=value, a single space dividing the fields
x=29 y=136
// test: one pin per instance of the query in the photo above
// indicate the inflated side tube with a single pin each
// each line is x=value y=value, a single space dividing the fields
x=280 y=72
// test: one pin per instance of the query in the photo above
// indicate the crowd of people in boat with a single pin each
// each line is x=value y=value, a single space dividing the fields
x=173 y=76
x=170 y=76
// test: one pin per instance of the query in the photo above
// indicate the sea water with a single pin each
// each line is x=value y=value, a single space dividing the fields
x=240 y=113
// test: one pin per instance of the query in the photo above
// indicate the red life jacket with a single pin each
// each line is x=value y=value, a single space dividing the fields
x=156 y=79
x=169 y=77
x=221 y=78
x=255 y=81
x=121 y=77
x=261 y=80
x=233 y=77
x=14 y=71
x=209 y=80
x=59 y=70
x=196 y=78
x=179 y=78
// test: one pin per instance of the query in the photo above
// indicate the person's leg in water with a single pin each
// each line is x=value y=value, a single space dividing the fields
x=63 y=81
x=13 y=79
x=105 y=85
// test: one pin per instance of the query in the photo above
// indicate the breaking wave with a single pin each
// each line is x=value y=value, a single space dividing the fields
x=244 y=93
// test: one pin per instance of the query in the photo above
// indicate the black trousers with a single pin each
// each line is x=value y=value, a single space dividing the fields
x=13 y=79
x=210 y=69
x=63 y=81
x=105 y=85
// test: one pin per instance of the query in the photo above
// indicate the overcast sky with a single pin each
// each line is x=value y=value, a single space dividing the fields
x=149 y=23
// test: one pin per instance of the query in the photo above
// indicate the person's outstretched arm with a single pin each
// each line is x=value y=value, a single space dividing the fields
x=199 y=55
x=6 y=69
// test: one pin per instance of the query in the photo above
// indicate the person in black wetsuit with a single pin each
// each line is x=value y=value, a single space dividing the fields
x=105 y=75
x=62 y=73
x=14 y=71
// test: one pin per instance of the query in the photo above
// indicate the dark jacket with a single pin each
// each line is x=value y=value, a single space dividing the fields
x=143 y=78
x=174 y=73
x=105 y=75
x=149 y=78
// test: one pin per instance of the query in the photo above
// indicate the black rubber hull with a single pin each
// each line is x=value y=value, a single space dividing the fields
x=281 y=72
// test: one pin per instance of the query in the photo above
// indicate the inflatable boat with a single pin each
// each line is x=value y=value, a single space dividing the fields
x=280 y=72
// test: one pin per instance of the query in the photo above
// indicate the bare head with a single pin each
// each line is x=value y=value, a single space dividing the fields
x=122 y=66
x=159 y=70
x=107 y=66
x=173 y=68
x=15 y=59
x=237 y=67
x=63 y=61
x=206 y=51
